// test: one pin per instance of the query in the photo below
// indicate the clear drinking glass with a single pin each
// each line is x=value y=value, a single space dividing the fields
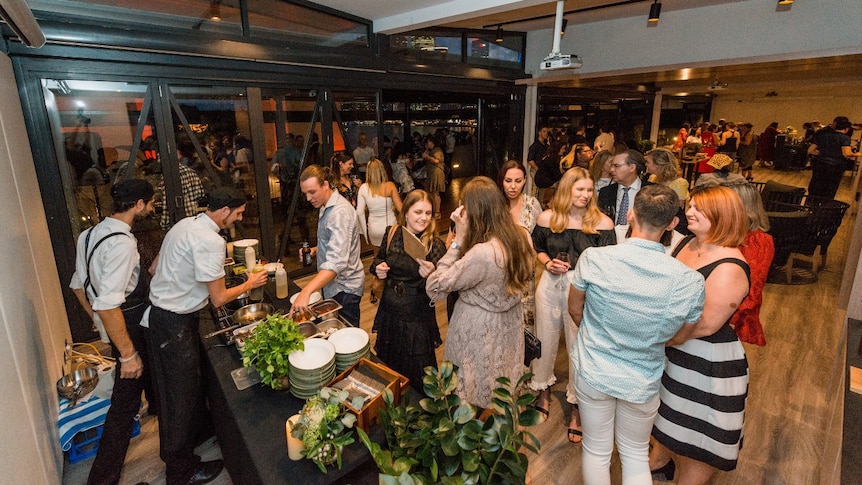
x=563 y=257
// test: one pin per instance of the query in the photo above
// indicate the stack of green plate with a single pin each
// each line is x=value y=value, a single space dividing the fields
x=351 y=344
x=312 y=368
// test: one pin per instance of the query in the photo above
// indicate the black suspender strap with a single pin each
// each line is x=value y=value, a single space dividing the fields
x=90 y=256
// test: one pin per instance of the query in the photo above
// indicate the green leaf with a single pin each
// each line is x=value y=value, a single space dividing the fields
x=446 y=369
x=529 y=417
x=502 y=394
x=449 y=444
x=525 y=399
x=471 y=462
x=467 y=443
x=463 y=414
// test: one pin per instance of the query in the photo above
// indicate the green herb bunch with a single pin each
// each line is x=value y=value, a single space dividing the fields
x=268 y=346
x=442 y=441
x=324 y=427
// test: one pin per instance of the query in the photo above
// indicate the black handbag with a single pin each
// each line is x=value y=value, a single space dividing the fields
x=532 y=347
x=532 y=344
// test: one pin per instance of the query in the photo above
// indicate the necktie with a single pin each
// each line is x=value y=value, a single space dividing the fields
x=624 y=208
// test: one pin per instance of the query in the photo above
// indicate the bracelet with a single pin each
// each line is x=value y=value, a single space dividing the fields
x=128 y=359
x=546 y=263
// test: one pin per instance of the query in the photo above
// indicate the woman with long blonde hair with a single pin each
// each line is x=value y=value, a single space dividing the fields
x=490 y=263
x=380 y=197
x=571 y=224
x=406 y=323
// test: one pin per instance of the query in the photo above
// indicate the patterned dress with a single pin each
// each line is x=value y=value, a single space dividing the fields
x=703 y=394
x=486 y=331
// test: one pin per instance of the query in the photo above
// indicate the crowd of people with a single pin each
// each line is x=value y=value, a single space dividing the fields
x=653 y=286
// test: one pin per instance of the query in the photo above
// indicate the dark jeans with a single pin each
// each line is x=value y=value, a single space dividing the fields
x=350 y=307
x=177 y=372
x=125 y=404
x=825 y=179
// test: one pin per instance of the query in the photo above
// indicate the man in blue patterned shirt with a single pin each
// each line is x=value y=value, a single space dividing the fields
x=628 y=300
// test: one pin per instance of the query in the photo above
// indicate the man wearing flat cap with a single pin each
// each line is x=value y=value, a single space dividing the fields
x=109 y=285
x=189 y=274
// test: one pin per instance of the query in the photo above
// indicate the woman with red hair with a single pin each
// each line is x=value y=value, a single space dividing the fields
x=705 y=384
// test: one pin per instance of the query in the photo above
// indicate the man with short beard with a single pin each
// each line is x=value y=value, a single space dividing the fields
x=189 y=274
x=110 y=287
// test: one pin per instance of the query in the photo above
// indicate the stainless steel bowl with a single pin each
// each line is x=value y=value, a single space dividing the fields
x=252 y=313
x=77 y=384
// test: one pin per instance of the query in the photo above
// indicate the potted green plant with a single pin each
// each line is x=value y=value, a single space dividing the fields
x=645 y=145
x=268 y=346
x=441 y=440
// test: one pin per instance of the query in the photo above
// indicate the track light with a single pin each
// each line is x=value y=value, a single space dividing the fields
x=565 y=24
x=654 y=11
x=215 y=11
x=499 y=37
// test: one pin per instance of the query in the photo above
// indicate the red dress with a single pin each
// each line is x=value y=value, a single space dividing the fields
x=707 y=139
x=758 y=250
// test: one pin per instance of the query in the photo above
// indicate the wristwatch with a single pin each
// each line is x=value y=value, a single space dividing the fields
x=455 y=245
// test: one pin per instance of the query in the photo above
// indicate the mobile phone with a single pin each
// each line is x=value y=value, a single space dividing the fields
x=452 y=227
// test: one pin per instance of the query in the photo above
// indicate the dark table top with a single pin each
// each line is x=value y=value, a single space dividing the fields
x=250 y=424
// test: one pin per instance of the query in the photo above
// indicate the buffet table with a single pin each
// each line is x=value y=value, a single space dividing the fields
x=250 y=424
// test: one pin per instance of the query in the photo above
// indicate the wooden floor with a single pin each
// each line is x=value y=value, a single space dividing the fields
x=794 y=413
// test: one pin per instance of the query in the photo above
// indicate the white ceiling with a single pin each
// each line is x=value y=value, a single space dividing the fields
x=394 y=16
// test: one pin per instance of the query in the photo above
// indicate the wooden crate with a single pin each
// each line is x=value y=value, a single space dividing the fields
x=369 y=414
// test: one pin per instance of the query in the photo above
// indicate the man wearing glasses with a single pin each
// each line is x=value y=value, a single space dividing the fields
x=616 y=199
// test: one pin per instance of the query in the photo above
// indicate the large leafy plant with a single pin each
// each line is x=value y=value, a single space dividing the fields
x=268 y=346
x=441 y=440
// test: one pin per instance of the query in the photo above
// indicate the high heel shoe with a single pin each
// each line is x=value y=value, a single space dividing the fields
x=668 y=470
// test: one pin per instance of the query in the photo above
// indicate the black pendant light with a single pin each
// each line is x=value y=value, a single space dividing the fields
x=655 y=11
x=499 y=37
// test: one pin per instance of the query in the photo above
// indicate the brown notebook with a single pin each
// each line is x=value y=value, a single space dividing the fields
x=413 y=245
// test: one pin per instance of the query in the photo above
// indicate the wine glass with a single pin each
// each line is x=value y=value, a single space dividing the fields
x=562 y=257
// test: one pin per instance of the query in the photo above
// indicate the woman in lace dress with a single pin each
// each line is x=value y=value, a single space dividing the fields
x=380 y=197
x=490 y=262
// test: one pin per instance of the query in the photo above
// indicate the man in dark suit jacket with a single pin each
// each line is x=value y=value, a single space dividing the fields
x=626 y=171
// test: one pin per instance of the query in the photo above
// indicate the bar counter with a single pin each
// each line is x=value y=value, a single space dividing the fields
x=250 y=424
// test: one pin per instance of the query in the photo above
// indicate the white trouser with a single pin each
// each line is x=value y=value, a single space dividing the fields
x=604 y=417
x=552 y=317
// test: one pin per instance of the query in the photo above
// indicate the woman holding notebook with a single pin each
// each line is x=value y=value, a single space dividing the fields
x=406 y=323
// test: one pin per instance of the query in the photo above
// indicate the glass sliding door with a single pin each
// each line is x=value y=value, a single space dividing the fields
x=292 y=134
x=214 y=143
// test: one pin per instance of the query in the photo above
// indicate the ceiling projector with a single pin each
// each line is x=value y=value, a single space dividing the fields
x=560 y=61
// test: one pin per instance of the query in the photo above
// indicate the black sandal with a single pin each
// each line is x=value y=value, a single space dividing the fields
x=573 y=432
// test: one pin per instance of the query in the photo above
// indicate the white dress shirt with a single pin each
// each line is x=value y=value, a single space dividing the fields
x=114 y=267
x=192 y=255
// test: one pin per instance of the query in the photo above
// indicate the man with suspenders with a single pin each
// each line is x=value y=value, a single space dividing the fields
x=109 y=284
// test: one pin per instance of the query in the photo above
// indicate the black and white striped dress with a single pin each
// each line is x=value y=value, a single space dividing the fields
x=703 y=394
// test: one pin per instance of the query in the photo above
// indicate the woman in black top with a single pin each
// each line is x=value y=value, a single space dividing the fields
x=406 y=323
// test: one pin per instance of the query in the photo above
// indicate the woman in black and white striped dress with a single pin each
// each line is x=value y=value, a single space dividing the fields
x=705 y=385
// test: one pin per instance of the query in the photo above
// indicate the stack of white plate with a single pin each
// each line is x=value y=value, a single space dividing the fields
x=239 y=249
x=312 y=368
x=351 y=344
